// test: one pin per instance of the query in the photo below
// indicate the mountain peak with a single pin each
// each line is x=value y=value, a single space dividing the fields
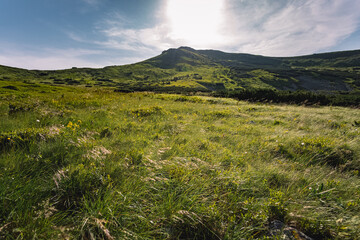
x=174 y=57
x=186 y=48
x=179 y=49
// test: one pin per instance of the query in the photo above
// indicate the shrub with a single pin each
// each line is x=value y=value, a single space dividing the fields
x=145 y=112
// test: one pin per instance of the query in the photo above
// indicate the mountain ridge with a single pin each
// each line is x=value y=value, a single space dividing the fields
x=188 y=69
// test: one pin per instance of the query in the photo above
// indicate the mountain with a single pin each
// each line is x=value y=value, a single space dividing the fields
x=333 y=59
x=173 y=58
x=186 y=69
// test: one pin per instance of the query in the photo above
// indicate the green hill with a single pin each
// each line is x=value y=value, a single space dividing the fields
x=186 y=69
x=350 y=59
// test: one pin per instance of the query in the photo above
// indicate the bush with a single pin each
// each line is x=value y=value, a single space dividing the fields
x=294 y=97
x=145 y=112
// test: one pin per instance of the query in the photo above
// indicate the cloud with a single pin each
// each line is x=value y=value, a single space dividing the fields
x=293 y=27
x=52 y=58
x=116 y=34
x=267 y=27
x=147 y=39
x=49 y=59
x=92 y=2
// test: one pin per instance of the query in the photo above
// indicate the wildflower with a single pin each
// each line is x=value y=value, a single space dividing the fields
x=302 y=144
x=9 y=139
x=37 y=120
x=72 y=126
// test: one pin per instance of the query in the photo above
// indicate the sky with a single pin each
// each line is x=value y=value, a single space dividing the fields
x=58 y=34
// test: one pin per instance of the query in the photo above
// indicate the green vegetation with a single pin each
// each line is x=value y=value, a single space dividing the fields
x=91 y=163
x=326 y=79
x=188 y=70
x=349 y=99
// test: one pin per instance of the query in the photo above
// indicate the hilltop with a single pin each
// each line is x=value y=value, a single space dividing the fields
x=185 y=69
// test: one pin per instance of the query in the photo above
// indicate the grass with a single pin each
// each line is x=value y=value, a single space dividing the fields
x=95 y=164
x=188 y=70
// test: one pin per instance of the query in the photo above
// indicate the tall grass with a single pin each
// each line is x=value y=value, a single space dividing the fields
x=94 y=164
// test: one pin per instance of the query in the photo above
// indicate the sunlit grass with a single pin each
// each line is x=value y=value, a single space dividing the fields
x=91 y=163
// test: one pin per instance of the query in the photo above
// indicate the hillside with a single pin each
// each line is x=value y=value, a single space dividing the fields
x=186 y=69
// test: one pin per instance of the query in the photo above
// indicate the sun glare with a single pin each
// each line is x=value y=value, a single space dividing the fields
x=196 y=22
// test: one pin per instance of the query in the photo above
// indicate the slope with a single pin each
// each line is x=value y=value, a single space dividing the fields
x=186 y=69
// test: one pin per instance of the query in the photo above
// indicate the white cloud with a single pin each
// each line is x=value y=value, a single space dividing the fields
x=267 y=27
x=49 y=59
x=297 y=27
x=92 y=2
x=53 y=59
x=147 y=39
x=116 y=35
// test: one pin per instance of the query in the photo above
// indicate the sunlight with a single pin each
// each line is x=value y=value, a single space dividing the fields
x=196 y=22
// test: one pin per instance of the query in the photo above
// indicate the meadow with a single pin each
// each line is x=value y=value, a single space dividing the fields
x=92 y=163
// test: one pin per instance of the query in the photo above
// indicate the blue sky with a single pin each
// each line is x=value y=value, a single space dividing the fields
x=56 y=34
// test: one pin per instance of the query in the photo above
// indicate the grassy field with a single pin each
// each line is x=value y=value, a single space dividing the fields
x=89 y=163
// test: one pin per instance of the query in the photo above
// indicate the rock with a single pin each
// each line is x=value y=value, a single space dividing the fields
x=279 y=229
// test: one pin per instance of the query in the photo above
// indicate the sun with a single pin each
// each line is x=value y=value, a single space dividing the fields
x=195 y=22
